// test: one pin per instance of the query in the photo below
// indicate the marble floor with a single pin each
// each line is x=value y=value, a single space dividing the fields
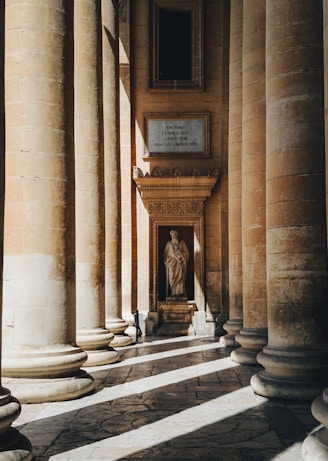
x=174 y=399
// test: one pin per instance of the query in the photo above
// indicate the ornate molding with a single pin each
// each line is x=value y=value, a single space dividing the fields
x=176 y=195
x=175 y=172
x=175 y=207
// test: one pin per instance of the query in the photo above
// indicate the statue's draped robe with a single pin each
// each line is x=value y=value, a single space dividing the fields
x=176 y=256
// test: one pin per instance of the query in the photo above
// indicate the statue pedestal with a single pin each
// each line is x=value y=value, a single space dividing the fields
x=176 y=318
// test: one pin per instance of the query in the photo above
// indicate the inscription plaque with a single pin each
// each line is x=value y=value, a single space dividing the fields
x=176 y=135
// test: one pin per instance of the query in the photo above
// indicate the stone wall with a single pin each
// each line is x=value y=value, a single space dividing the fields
x=213 y=99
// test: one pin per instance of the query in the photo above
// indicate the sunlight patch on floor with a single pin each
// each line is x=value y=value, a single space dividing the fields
x=158 y=356
x=165 y=429
x=289 y=453
x=155 y=341
x=194 y=422
x=136 y=386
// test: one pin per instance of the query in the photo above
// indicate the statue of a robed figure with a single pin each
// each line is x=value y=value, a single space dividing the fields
x=176 y=256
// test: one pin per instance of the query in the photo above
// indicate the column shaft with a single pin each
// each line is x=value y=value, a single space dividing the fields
x=127 y=161
x=295 y=359
x=234 y=324
x=12 y=444
x=253 y=336
x=39 y=265
x=92 y=335
x=113 y=289
x=315 y=446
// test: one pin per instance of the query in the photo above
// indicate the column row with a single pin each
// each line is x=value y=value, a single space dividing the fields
x=284 y=230
x=283 y=206
x=61 y=263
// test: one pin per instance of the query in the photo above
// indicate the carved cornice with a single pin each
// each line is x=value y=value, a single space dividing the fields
x=174 y=195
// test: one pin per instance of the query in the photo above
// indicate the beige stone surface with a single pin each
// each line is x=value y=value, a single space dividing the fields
x=253 y=335
x=297 y=276
x=39 y=267
x=234 y=323
x=180 y=399
x=209 y=100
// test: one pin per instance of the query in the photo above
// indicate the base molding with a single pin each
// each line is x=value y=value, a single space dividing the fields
x=14 y=446
x=36 y=390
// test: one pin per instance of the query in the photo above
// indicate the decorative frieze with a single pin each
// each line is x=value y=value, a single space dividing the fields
x=175 y=207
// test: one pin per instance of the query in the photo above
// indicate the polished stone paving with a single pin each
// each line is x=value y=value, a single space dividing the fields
x=177 y=399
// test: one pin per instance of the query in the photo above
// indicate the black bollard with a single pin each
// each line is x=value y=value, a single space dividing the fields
x=136 y=321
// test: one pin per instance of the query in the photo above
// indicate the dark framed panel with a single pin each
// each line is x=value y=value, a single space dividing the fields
x=186 y=233
x=160 y=228
x=176 y=44
x=177 y=134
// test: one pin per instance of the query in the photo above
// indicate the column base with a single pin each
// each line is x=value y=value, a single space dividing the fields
x=252 y=341
x=315 y=446
x=9 y=409
x=232 y=327
x=34 y=390
x=15 y=447
x=95 y=342
x=121 y=340
x=118 y=326
x=44 y=362
x=291 y=374
x=101 y=357
x=52 y=375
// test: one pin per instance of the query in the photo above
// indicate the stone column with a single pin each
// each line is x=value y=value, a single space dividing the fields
x=235 y=322
x=253 y=336
x=40 y=355
x=13 y=445
x=315 y=446
x=92 y=335
x=113 y=289
x=295 y=359
x=127 y=194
